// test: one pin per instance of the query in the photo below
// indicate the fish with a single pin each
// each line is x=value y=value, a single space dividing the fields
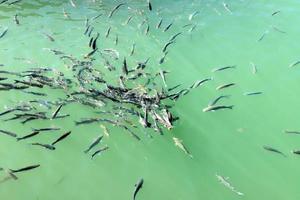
x=91 y=53
x=254 y=68
x=94 y=43
x=47 y=146
x=90 y=42
x=4 y=32
x=215 y=101
x=217 y=107
x=28 y=136
x=268 y=148
x=292 y=132
x=35 y=93
x=49 y=37
x=294 y=63
x=166 y=45
x=87 y=29
x=128 y=20
x=16 y=19
x=175 y=36
x=95 y=17
x=191 y=16
x=8 y=133
x=225 y=182
x=227 y=8
x=296 y=152
x=46 y=129
x=223 y=68
x=105 y=131
x=125 y=68
x=132 y=49
x=100 y=151
x=263 y=36
x=278 y=30
x=162 y=59
x=107 y=32
x=73 y=3
x=252 y=93
x=54 y=114
x=147 y=29
x=179 y=143
x=225 y=86
x=276 y=12
x=117 y=40
x=200 y=82
x=168 y=27
x=149 y=5
x=115 y=9
x=61 y=137
x=193 y=28
x=94 y=143
x=159 y=23
x=137 y=187
x=31 y=167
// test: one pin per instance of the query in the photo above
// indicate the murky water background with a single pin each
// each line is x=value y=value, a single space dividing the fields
x=228 y=143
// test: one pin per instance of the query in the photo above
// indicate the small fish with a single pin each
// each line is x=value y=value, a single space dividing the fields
x=147 y=30
x=99 y=151
x=225 y=86
x=137 y=187
x=28 y=136
x=105 y=131
x=91 y=53
x=91 y=31
x=46 y=129
x=132 y=49
x=200 y=82
x=263 y=36
x=149 y=5
x=168 y=27
x=56 y=111
x=225 y=182
x=166 y=45
x=3 y=33
x=128 y=20
x=254 y=68
x=162 y=59
x=90 y=42
x=175 y=36
x=191 y=16
x=292 y=132
x=49 y=37
x=8 y=133
x=180 y=144
x=223 y=68
x=115 y=9
x=117 y=40
x=215 y=108
x=94 y=43
x=278 y=30
x=73 y=3
x=95 y=17
x=107 y=32
x=193 y=28
x=47 y=146
x=227 y=8
x=16 y=19
x=24 y=168
x=125 y=68
x=159 y=23
x=215 y=101
x=294 y=63
x=252 y=93
x=61 y=137
x=94 y=143
x=276 y=12
x=268 y=148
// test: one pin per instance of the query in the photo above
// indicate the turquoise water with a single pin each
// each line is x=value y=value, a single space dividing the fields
x=226 y=142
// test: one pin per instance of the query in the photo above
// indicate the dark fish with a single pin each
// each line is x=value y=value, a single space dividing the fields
x=16 y=19
x=14 y=2
x=173 y=88
x=168 y=27
x=276 y=12
x=162 y=59
x=215 y=101
x=90 y=42
x=97 y=16
x=268 y=148
x=223 y=68
x=56 y=111
x=47 y=146
x=175 y=36
x=87 y=29
x=91 y=53
x=252 y=93
x=117 y=40
x=214 y=108
x=8 y=133
x=115 y=9
x=94 y=143
x=3 y=33
x=128 y=20
x=294 y=63
x=99 y=151
x=3 y=1
x=46 y=129
x=132 y=49
x=94 y=44
x=61 y=138
x=28 y=136
x=166 y=45
x=49 y=37
x=147 y=29
x=125 y=68
x=292 y=132
x=225 y=86
x=137 y=186
x=24 y=169
x=149 y=5
x=262 y=36
x=35 y=93
x=200 y=82
x=107 y=32
x=159 y=23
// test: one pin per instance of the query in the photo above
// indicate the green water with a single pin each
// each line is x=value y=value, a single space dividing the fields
x=228 y=143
